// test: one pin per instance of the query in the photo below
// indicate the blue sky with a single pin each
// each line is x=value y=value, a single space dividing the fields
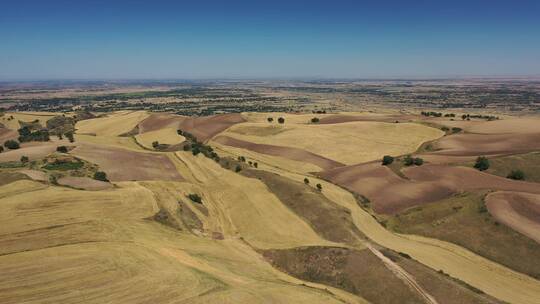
x=267 y=39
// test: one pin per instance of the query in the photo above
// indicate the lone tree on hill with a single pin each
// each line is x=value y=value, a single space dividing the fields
x=315 y=120
x=387 y=160
x=306 y=181
x=62 y=149
x=270 y=119
x=319 y=187
x=482 y=163
x=281 y=120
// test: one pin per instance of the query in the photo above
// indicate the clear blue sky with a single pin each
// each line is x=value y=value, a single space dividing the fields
x=243 y=39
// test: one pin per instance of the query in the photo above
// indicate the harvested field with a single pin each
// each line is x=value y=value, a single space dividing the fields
x=167 y=136
x=25 y=117
x=341 y=118
x=9 y=177
x=124 y=165
x=114 y=124
x=357 y=271
x=520 y=211
x=486 y=144
x=35 y=174
x=308 y=203
x=127 y=143
x=286 y=152
x=84 y=183
x=341 y=142
x=158 y=121
x=507 y=126
x=463 y=220
x=6 y=134
x=427 y=183
x=34 y=150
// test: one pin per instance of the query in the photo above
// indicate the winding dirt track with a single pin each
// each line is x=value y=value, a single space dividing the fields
x=402 y=274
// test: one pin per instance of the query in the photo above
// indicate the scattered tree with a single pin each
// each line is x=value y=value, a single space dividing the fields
x=238 y=168
x=281 y=120
x=270 y=119
x=516 y=174
x=24 y=159
x=306 y=181
x=315 y=120
x=11 y=144
x=1 y=149
x=482 y=163
x=69 y=136
x=256 y=165
x=319 y=187
x=195 y=198
x=407 y=161
x=155 y=144
x=101 y=176
x=387 y=160
x=62 y=149
x=418 y=161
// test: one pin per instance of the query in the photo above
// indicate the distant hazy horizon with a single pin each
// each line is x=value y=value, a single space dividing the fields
x=175 y=40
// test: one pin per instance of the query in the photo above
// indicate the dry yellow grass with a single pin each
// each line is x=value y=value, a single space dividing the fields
x=26 y=117
x=114 y=124
x=62 y=245
x=348 y=143
x=127 y=143
x=167 y=136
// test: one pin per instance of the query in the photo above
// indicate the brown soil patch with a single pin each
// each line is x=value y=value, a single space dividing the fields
x=390 y=194
x=85 y=183
x=285 y=152
x=487 y=144
x=329 y=220
x=124 y=165
x=203 y=128
x=9 y=177
x=520 y=211
x=157 y=121
x=357 y=271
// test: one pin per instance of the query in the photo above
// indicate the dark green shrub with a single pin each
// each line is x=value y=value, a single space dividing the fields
x=270 y=119
x=24 y=159
x=516 y=174
x=315 y=120
x=319 y=187
x=387 y=160
x=306 y=181
x=62 y=149
x=482 y=163
x=418 y=161
x=155 y=144
x=11 y=144
x=195 y=198
x=408 y=160
x=101 y=176
x=238 y=168
x=281 y=120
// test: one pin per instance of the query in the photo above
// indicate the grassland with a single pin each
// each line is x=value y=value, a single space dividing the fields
x=528 y=163
x=168 y=136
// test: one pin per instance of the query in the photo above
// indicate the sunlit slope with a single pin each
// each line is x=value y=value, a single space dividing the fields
x=114 y=124
x=60 y=245
x=168 y=136
x=11 y=119
x=348 y=143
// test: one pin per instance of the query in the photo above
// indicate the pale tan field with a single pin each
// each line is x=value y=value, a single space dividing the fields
x=167 y=136
x=113 y=125
x=348 y=143
x=26 y=117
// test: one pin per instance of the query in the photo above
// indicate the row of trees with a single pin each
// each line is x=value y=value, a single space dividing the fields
x=280 y=120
